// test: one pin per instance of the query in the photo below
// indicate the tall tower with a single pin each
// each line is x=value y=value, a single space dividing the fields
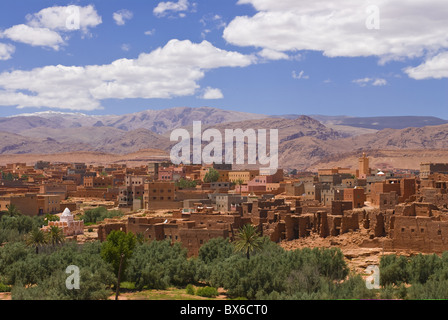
x=363 y=165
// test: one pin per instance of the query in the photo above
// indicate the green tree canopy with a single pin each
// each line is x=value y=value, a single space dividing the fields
x=116 y=250
x=248 y=240
x=211 y=176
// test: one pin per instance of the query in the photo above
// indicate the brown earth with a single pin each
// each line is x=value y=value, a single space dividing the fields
x=385 y=159
x=141 y=157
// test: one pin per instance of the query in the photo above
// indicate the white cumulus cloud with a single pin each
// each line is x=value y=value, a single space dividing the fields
x=50 y=26
x=407 y=29
x=435 y=67
x=270 y=54
x=6 y=51
x=169 y=71
x=163 y=8
x=212 y=93
x=377 y=82
x=122 y=16
x=34 y=36
x=62 y=18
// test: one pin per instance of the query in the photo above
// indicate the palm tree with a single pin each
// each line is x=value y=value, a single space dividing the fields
x=239 y=182
x=13 y=211
x=56 y=235
x=36 y=238
x=248 y=240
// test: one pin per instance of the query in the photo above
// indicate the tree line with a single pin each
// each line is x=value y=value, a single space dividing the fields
x=251 y=267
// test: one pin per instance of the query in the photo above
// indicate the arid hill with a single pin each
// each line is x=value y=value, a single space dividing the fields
x=141 y=157
x=97 y=139
x=158 y=121
x=304 y=143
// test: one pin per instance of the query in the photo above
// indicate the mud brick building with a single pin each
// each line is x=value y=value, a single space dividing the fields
x=427 y=169
x=244 y=175
x=363 y=166
x=60 y=189
x=26 y=203
x=190 y=229
x=92 y=193
x=330 y=193
x=294 y=189
x=171 y=173
x=404 y=189
x=161 y=195
x=356 y=196
x=339 y=206
x=48 y=203
x=224 y=201
x=98 y=182
x=131 y=194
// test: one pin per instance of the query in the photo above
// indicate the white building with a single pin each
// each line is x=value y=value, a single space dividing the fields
x=68 y=224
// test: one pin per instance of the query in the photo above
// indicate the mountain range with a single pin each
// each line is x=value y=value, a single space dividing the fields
x=305 y=142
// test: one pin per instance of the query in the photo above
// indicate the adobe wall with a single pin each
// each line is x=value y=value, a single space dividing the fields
x=105 y=229
x=215 y=220
x=72 y=206
x=275 y=231
x=158 y=205
x=193 y=239
x=338 y=207
x=387 y=200
x=423 y=234
x=27 y=204
x=349 y=222
x=82 y=192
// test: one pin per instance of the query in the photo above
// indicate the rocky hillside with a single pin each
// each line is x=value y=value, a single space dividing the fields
x=158 y=121
x=304 y=142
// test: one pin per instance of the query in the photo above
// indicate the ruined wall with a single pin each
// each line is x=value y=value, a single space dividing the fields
x=349 y=222
x=338 y=207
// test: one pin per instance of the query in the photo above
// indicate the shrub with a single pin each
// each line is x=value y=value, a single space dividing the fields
x=99 y=214
x=4 y=288
x=208 y=292
x=190 y=289
x=160 y=264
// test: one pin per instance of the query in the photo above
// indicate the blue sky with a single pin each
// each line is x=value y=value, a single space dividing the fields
x=261 y=56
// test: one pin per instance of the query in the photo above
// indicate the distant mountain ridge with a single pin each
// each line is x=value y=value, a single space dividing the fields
x=304 y=141
x=380 y=123
x=158 y=121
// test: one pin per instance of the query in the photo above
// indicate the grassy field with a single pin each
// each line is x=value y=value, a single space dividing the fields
x=128 y=293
